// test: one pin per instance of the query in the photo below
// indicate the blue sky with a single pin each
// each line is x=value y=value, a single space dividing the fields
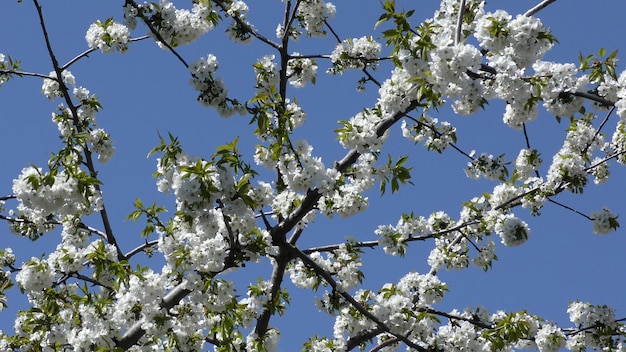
x=146 y=91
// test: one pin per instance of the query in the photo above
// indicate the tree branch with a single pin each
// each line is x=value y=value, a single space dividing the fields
x=278 y=273
x=141 y=248
x=89 y=51
x=542 y=5
x=359 y=307
x=88 y=157
x=459 y=22
x=247 y=27
x=135 y=332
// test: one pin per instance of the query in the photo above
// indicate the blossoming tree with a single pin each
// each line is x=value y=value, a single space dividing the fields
x=171 y=287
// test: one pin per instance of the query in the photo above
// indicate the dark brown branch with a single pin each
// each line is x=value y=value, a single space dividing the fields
x=569 y=208
x=22 y=73
x=358 y=306
x=439 y=134
x=604 y=121
x=612 y=156
x=247 y=27
x=592 y=97
x=569 y=332
x=355 y=341
x=156 y=33
x=278 y=273
x=74 y=110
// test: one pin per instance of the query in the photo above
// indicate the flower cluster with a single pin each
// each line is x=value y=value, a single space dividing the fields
x=267 y=74
x=108 y=36
x=71 y=126
x=312 y=14
x=51 y=88
x=360 y=131
x=357 y=53
x=600 y=321
x=512 y=230
x=175 y=26
x=239 y=29
x=559 y=81
x=527 y=162
x=347 y=199
x=342 y=263
x=550 y=338
x=302 y=171
x=524 y=40
x=212 y=90
x=396 y=304
x=446 y=17
x=300 y=71
x=569 y=164
x=618 y=143
x=56 y=193
x=620 y=104
x=449 y=65
x=100 y=142
x=513 y=45
x=7 y=65
x=487 y=166
x=604 y=221
x=140 y=298
x=35 y=276
x=438 y=136
x=393 y=238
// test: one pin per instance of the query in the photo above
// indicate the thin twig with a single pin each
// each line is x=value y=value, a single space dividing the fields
x=612 y=156
x=459 y=22
x=569 y=208
x=91 y=50
x=22 y=73
x=156 y=33
x=74 y=110
x=439 y=134
x=247 y=27
x=542 y=5
x=604 y=121
x=358 y=306
x=141 y=248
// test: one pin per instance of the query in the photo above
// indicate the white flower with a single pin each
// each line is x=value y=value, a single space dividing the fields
x=101 y=143
x=266 y=73
x=35 y=275
x=584 y=314
x=6 y=257
x=527 y=162
x=604 y=221
x=108 y=36
x=550 y=338
x=356 y=53
x=512 y=230
x=51 y=88
x=313 y=14
x=212 y=90
x=181 y=26
x=63 y=197
x=301 y=71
